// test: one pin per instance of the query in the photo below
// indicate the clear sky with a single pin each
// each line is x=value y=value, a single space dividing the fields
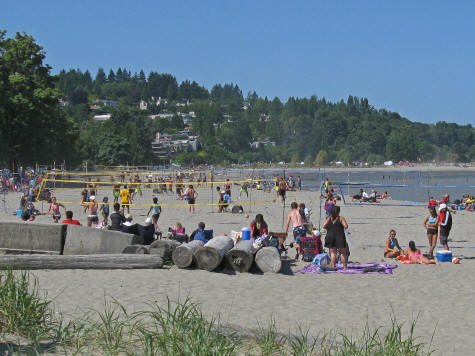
x=413 y=57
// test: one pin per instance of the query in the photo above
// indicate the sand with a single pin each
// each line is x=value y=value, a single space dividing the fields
x=439 y=297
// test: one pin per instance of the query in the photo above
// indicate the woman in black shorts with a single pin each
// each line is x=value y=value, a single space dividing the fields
x=431 y=224
x=335 y=240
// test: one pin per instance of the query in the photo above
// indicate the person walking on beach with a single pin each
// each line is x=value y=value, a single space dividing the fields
x=92 y=207
x=431 y=224
x=299 y=182
x=335 y=239
x=54 y=209
x=104 y=209
x=191 y=194
x=445 y=225
x=297 y=225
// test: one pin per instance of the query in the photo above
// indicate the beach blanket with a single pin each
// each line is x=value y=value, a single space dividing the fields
x=353 y=268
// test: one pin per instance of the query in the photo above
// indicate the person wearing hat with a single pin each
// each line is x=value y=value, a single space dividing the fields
x=91 y=207
x=445 y=225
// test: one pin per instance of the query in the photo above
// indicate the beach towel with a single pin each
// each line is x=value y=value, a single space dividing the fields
x=353 y=268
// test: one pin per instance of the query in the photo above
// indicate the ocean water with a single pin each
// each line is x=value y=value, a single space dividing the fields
x=411 y=185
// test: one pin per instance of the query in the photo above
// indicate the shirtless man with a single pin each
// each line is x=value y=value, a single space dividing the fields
x=282 y=189
x=191 y=194
x=297 y=225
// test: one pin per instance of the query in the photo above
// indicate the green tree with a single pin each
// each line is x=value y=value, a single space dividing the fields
x=322 y=159
x=32 y=125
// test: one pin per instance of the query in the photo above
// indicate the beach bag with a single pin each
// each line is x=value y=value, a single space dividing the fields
x=310 y=247
x=321 y=260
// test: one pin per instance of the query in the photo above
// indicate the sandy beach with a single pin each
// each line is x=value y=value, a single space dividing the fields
x=439 y=297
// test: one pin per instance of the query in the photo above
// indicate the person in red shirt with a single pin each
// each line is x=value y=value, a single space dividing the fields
x=69 y=219
x=432 y=203
x=259 y=227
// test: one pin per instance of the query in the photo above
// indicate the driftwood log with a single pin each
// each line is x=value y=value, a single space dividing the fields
x=183 y=255
x=136 y=249
x=268 y=260
x=240 y=257
x=212 y=253
x=109 y=261
x=163 y=248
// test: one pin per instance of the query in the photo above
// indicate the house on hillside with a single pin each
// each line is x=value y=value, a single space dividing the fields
x=104 y=117
x=106 y=103
x=166 y=148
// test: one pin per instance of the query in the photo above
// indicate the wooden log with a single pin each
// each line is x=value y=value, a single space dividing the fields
x=212 y=253
x=268 y=260
x=163 y=248
x=240 y=257
x=183 y=255
x=109 y=261
x=136 y=249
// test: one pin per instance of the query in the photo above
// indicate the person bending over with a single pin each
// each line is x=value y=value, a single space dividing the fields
x=335 y=240
x=392 y=248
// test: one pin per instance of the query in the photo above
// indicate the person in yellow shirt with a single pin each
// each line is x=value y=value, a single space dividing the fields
x=125 y=199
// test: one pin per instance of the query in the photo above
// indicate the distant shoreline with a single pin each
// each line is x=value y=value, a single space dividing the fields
x=362 y=169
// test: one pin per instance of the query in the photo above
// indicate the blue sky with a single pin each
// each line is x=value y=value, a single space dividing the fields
x=413 y=57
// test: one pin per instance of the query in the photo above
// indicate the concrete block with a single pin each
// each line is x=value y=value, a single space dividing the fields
x=82 y=240
x=24 y=237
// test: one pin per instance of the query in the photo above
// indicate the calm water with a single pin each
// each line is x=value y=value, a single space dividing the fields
x=421 y=185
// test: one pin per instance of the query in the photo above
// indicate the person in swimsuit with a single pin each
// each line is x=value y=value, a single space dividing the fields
x=191 y=194
x=414 y=254
x=105 y=209
x=298 y=227
x=54 y=209
x=431 y=224
x=92 y=207
x=392 y=248
x=282 y=189
x=335 y=240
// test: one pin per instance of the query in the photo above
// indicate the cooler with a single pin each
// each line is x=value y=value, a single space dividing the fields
x=444 y=256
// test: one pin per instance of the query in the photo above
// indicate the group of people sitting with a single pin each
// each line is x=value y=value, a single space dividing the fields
x=373 y=197
x=413 y=254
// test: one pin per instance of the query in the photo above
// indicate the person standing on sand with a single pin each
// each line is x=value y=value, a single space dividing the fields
x=297 y=225
x=191 y=194
x=125 y=199
x=431 y=224
x=445 y=225
x=92 y=207
x=282 y=189
x=54 y=209
x=299 y=182
x=336 y=239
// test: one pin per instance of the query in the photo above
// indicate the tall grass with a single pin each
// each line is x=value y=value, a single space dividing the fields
x=178 y=328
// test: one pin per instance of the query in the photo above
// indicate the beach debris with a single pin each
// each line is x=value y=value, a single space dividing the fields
x=210 y=256
x=268 y=260
x=109 y=261
x=183 y=255
x=240 y=257
x=163 y=248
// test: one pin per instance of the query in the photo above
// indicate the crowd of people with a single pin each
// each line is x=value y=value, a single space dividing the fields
x=437 y=223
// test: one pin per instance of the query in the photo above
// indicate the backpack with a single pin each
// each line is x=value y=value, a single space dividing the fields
x=237 y=209
x=321 y=259
x=310 y=247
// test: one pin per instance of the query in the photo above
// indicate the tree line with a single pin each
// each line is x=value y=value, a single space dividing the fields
x=232 y=128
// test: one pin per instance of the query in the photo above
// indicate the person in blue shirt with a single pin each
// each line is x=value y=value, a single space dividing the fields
x=201 y=233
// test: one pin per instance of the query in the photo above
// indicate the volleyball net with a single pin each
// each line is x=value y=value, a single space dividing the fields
x=169 y=187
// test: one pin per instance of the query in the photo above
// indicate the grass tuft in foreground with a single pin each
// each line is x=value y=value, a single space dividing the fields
x=178 y=328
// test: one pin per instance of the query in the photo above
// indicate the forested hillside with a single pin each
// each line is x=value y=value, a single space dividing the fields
x=229 y=123
x=45 y=118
